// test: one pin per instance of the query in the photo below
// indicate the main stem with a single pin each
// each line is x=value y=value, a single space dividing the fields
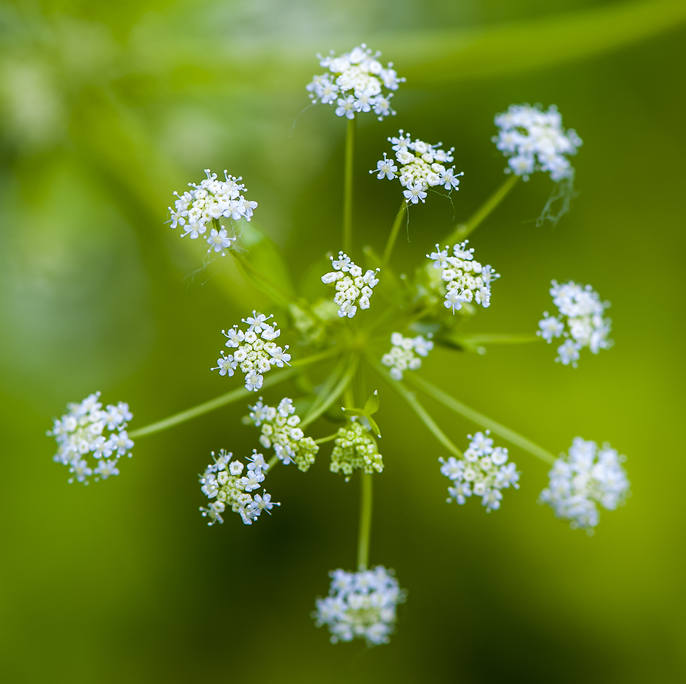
x=365 y=521
x=464 y=230
x=393 y=235
x=348 y=186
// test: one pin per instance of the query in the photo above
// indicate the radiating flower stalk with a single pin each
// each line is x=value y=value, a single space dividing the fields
x=328 y=340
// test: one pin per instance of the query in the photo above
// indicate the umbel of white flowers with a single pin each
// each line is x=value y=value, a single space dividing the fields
x=422 y=166
x=211 y=200
x=227 y=484
x=483 y=471
x=255 y=350
x=533 y=140
x=580 y=321
x=91 y=438
x=355 y=82
x=280 y=430
x=360 y=605
x=406 y=353
x=465 y=279
x=353 y=286
x=590 y=476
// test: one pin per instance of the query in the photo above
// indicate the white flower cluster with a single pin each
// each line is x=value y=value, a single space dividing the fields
x=534 y=140
x=465 y=279
x=255 y=350
x=484 y=471
x=360 y=605
x=580 y=320
x=405 y=353
x=588 y=476
x=227 y=483
x=353 y=287
x=281 y=430
x=211 y=200
x=356 y=82
x=354 y=448
x=91 y=438
x=422 y=166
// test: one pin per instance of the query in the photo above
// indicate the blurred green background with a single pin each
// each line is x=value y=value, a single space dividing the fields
x=108 y=107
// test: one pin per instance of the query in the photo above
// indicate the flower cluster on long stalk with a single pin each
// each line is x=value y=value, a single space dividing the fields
x=328 y=345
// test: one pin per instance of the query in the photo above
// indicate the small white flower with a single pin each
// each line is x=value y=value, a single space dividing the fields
x=588 y=477
x=580 y=321
x=355 y=449
x=421 y=167
x=91 y=438
x=483 y=471
x=254 y=350
x=360 y=605
x=353 y=287
x=211 y=200
x=534 y=140
x=405 y=354
x=356 y=82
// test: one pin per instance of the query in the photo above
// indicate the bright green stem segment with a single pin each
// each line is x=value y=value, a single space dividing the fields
x=423 y=414
x=348 y=186
x=393 y=235
x=365 y=521
x=497 y=338
x=330 y=395
x=224 y=399
x=480 y=419
x=464 y=230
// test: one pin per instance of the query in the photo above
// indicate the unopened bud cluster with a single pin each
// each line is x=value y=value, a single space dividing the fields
x=422 y=166
x=465 y=279
x=91 y=438
x=406 y=354
x=228 y=484
x=580 y=321
x=588 y=477
x=360 y=605
x=211 y=200
x=534 y=140
x=353 y=286
x=280 y=430
x=355 y=449
x=483 y=471
x=356 y=82
x=255 y=350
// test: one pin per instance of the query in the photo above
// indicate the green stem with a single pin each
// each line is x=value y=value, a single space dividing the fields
x=224 y=399
x=393 y=235
x=480 y=419
x=260 y=282
x=463 y=230
x=497 y=338
x=336 y=392
x=348 y=186
x=365 y=521
x=328 y=438
x=417 y=407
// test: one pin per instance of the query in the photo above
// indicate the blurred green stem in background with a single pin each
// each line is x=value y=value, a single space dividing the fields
x=260 y=282
x=480 y=419
x=348 y=186
x=366 y=501
x=330 y=391
x=463 y=230
x=224 y=399
x=393 y=235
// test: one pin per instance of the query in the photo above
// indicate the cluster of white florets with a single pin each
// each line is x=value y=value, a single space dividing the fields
x=466 y=280
x=356 y=82
x=91 y=438
x=422 y=166
x=534 y=140
x=589 y=476
x=483 y=471
x=281 y=431
x=355 y=449
x=406 y=353
x=255 y=350
x=353 y=286
x=580 y=321
x=209 y=201
x=228 y=484
x=360 y=605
